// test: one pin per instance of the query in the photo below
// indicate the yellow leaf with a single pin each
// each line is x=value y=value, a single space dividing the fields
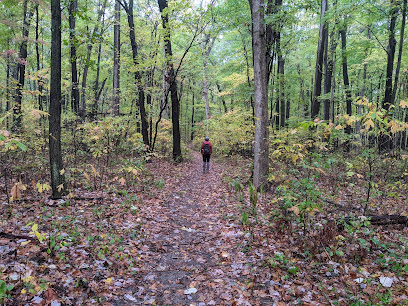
x=108 y=281
x=62 y=171
x=338 y=127
x=403 y=104
x=23 y=291
x=134 y=171
x=369 y=123
x=295 y=209
x=86 y=176
x=24 y=243
x=34 y=228
x=60 y=187
x=122 y=181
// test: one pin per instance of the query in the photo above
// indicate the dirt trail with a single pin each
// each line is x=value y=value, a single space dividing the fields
x=194 y=255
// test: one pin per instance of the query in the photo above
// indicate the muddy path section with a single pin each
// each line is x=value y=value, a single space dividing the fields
x=193 y=253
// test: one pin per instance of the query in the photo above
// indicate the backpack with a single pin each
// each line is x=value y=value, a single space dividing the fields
x=206 y=148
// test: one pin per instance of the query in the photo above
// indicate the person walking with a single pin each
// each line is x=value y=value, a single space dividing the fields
x=206 y=151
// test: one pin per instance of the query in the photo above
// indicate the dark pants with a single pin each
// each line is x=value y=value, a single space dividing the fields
x=206 y=158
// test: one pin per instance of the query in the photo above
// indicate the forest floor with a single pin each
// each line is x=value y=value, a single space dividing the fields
x=174 y=235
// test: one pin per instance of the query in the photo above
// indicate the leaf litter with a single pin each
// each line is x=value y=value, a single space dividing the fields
x=185 y=243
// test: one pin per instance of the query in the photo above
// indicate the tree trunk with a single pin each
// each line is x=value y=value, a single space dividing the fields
x=57 y=178
x=328 y=72
x=388 y=98
x=116 y=61
x=21 y=70
x=384 y=141
x=343 y=34
x=261 y=146
x=401 y=43
x=96 y=90
x=222 y=99
x=138 y=76
x=73 y=7
x=192 y=119
x=281 y=77
x=319 y=62
x=37 y=51
x=82 y=110
x=171 y=80
x=206 y=47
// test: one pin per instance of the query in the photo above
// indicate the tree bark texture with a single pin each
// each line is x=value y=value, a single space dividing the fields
x=57 y=178
x=319 y=62
x=400 y=48
x=328 y=72
x=343 y=34
x=171 y=80
x=138 y=76
x=261 y=146
x=73 y=7
x=388 y=98
x=116 y=61
x=37 y=51
x=21 y=69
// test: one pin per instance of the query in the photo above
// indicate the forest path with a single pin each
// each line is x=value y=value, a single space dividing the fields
x=192 y=255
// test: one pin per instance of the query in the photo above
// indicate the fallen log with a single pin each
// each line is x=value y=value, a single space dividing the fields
x=375 y=220
x=16 y=237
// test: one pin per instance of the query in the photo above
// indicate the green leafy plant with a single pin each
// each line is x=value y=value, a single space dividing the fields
x=4 y=290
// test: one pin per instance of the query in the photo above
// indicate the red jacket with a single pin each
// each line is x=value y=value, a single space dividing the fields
x=202 y=147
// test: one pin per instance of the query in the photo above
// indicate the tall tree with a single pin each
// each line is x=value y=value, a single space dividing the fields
x=400 y=48
x=206 y=46
x=171 y=81
x=56 y=166
x=72 y=10
x=343 y=34
x=388 y=98
x=261 y=146
x=128 y=7
x=319 y=60
x=101 y=12
x=21 y=66
x=116 y=61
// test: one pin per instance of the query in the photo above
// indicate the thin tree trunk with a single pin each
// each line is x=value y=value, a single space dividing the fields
x=57 y=177
x=401 y=43
x=301 y=90
x=388 y=98
x=222 y=99
x=319 y=62
x=384 y=141
x=261 y=146
x=206 y=47
x=73 y=7
x=82 y=110
x=343 y=34
x=192 y=119
x=37 y=51
x=21 y=69
x=94 y=111
x=116 y=62
x=328 y=72
x=171 y=80
x=281 y=76
x=138 y=76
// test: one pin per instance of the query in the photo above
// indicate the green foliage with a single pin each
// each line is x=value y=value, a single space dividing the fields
x=4 y=290
x=230 y=133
